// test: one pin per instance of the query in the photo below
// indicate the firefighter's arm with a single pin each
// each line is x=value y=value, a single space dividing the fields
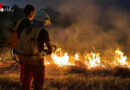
x=50 y=46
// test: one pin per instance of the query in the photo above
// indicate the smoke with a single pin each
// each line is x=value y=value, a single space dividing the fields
x=94 y=27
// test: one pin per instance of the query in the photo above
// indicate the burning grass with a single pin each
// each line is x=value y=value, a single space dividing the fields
x=88 y=60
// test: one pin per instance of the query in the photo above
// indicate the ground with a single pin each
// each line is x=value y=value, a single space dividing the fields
x=70 y=78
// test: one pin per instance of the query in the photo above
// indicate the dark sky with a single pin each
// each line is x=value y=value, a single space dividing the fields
x=56 y=3
x=36 y=3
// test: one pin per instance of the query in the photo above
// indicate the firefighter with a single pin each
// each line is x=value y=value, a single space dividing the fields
x=29 y=12
x=30 y=47
x=23 y=23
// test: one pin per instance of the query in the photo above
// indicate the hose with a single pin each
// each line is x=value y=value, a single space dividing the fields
x=12 y=53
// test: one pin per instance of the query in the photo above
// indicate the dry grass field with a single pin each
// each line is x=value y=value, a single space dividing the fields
x=71 y=78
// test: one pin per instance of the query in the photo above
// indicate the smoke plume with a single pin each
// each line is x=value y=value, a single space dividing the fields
x=95 y=27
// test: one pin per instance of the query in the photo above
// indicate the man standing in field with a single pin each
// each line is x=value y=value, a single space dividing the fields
x=29 y=12
x=22 y=24
x=31 y=47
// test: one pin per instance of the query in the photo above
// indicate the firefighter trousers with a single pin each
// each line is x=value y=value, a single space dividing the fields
x=35 y=72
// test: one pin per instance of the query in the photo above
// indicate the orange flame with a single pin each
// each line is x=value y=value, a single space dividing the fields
x=76 y=56
x=93 y=60
x=59 y=58
x=120 y=59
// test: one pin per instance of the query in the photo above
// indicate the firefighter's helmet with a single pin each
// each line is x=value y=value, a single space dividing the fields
x=43 y=17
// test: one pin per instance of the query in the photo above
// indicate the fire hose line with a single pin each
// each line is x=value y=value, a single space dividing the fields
x=13 y=53
x=13 y=56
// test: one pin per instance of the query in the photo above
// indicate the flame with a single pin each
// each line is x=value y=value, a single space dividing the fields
x=120 y=59
x=92 y=60
x=59 y=58
x=46 y=62
x=76 y=56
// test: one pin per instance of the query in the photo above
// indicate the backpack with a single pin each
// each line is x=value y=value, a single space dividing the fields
x=13 y=36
